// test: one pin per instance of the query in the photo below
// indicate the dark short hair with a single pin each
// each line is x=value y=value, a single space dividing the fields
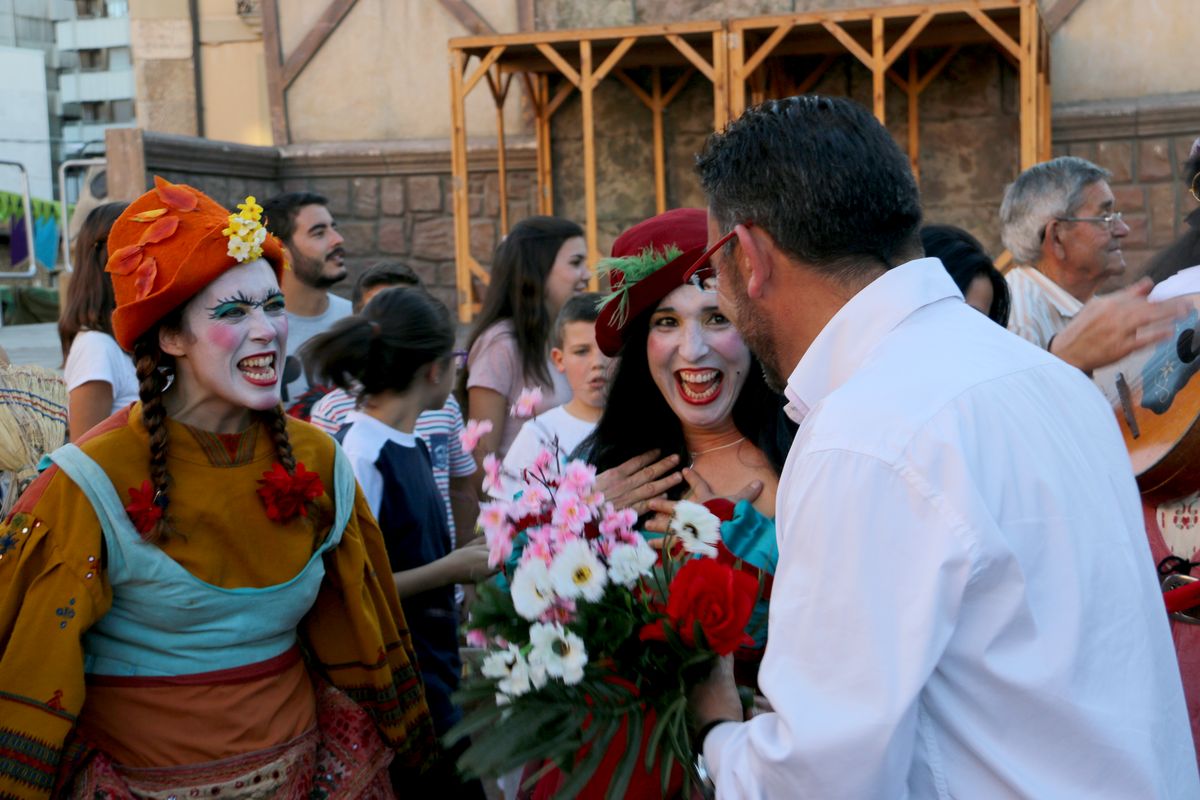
x=583 y=307
x=965 y=259
x=383 y=273
x=822 y=177
x=279 y=212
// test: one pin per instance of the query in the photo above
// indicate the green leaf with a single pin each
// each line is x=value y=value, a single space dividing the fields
x=582 y=772
x=620 y=781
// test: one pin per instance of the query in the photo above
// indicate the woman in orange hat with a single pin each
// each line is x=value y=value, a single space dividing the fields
x=189 y=602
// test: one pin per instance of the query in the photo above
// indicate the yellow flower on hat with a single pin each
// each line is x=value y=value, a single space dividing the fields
x=246 y=232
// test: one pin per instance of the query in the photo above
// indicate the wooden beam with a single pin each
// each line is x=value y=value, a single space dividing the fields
x=559 y=98
x=1004 y=40
x=589 y=156
x=677 y=86
x=273 y=60
x=482 y=69
x=555 y=58
x=545 y=170
x=317 y=35
x=720 y=80
x=1028 y=96
x=1058 y=14
x=765 y=49
x=735 y=54
x=615 y=56
x=526 y=17
x=458 y=182
x=632 y=85
x=878 y=69
x=937 y=68
x=904 y=41
x=499 y=87
x=660 y=157
x=848 y=42
x=914 y=115
x=691 y=55
x=468 y=17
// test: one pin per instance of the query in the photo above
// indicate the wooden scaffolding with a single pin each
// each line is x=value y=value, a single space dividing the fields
x=741 y=59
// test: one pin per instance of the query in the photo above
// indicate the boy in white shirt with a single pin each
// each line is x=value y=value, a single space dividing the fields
x=576 y=355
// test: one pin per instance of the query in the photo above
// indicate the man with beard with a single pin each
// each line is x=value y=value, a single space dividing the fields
x=1061 y=224
x=314 y=248
x=964 y=604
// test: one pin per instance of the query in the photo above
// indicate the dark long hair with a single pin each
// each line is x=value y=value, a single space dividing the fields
x=89 y=302
x=401 y=330
x=517 y=290
x=1184 y=251
x=964 y=258
x=637 y=417
x=154 y=369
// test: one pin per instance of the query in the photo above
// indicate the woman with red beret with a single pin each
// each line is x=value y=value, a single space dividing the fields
x=189 y=602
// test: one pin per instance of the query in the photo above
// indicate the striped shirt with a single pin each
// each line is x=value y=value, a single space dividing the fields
x=439 y=429
x=1040 y=307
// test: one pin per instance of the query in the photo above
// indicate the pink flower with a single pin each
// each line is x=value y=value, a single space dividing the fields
x=617 y=523
x=492 y=516
x=476 y=638
x=543 y=461
x=500 y=545
x=473 y=432
x=571 y=512
x=539 y=545
x=527 y=403
x=560 y=535
x=534 y=497
x=579 y=477
x=563 y=611
x=491 y=473
x=605 y=544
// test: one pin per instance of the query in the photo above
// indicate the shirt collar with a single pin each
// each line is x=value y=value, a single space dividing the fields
x=854 y=331
x=381 y=429
x=1066 y=303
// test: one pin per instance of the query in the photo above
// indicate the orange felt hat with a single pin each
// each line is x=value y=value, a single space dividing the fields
x=172 y=242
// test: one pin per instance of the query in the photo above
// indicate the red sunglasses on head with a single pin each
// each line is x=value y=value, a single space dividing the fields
x=702 y=274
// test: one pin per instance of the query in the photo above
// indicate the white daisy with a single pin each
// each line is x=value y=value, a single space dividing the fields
x=697 y=528
x=561 y=651
x=628 y=562
x=513 y=672
x=532 y=588
x=577 y=572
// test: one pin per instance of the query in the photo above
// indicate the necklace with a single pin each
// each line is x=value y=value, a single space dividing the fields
x=738 y=440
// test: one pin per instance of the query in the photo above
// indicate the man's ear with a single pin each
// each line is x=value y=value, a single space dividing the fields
x=1052 y=243
x=756 y=261
x=556 y=356
x=171 y=341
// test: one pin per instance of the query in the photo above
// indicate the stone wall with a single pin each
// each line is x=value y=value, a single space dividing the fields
x=392 y=201
x=1144 y=144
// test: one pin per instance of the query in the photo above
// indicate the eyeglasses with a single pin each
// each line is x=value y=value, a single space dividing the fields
x=702 y=274
x=460 y=359
x=1111 y=220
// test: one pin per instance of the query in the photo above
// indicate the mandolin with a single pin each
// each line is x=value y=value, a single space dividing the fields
x=1156 y=395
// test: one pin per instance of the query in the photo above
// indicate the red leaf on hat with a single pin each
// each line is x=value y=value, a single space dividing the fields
x=144 y=281
x=160 y=230
x=175 y=197
x=125 y=260
x=149 y=216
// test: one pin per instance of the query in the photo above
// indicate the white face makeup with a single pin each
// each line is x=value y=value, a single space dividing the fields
x=229 y=354
x=696 y=357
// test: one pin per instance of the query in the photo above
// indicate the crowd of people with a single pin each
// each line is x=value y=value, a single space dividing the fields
x=248 y=573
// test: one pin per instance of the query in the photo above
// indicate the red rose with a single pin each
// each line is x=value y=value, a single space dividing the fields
x=717 y=596
x=142 y=510
x=285 y=496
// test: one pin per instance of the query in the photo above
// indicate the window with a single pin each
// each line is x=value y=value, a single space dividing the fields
x=93 y=60
x=122 y=111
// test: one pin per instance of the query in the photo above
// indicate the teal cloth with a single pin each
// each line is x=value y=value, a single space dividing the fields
x=751 y=537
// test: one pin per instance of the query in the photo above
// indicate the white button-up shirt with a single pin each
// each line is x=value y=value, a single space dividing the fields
x=965 y=604
x=1040 y=308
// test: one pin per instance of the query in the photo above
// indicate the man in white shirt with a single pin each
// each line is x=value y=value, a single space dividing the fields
x=965 y=604
x=303 y=222
x=1060 y=222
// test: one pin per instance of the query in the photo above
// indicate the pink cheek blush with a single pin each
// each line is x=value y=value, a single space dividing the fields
x=224 y=337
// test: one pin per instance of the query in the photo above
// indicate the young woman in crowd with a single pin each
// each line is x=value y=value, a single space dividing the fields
x=541 y=263
x=982 y=285
x=99 y=375
x=136 y=659
x=396 y=358
x=687 y=385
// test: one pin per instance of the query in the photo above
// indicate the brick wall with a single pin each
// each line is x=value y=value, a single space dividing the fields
x=1144 y=144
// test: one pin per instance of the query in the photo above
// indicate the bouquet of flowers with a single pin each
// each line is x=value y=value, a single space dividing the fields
x=594 y=636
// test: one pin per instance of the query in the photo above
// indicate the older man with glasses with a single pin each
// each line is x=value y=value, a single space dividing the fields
x=1061 y=225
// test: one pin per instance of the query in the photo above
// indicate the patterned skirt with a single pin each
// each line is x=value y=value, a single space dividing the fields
x=342 y=757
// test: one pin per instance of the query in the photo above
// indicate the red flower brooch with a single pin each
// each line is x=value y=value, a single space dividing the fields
x=143 y=509
x=287 y=496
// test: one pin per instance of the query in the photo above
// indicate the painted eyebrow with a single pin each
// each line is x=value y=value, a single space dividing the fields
x=241 y=299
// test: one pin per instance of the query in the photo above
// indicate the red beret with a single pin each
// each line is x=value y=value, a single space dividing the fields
x=642 y=252
x=169 y=244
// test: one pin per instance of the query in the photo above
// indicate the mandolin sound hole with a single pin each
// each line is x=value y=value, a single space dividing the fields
x=1183 y=346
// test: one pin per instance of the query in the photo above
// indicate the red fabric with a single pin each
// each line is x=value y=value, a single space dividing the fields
x=159 y=261
x=685 y=228
x=1186 y=636
x=721 y=508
